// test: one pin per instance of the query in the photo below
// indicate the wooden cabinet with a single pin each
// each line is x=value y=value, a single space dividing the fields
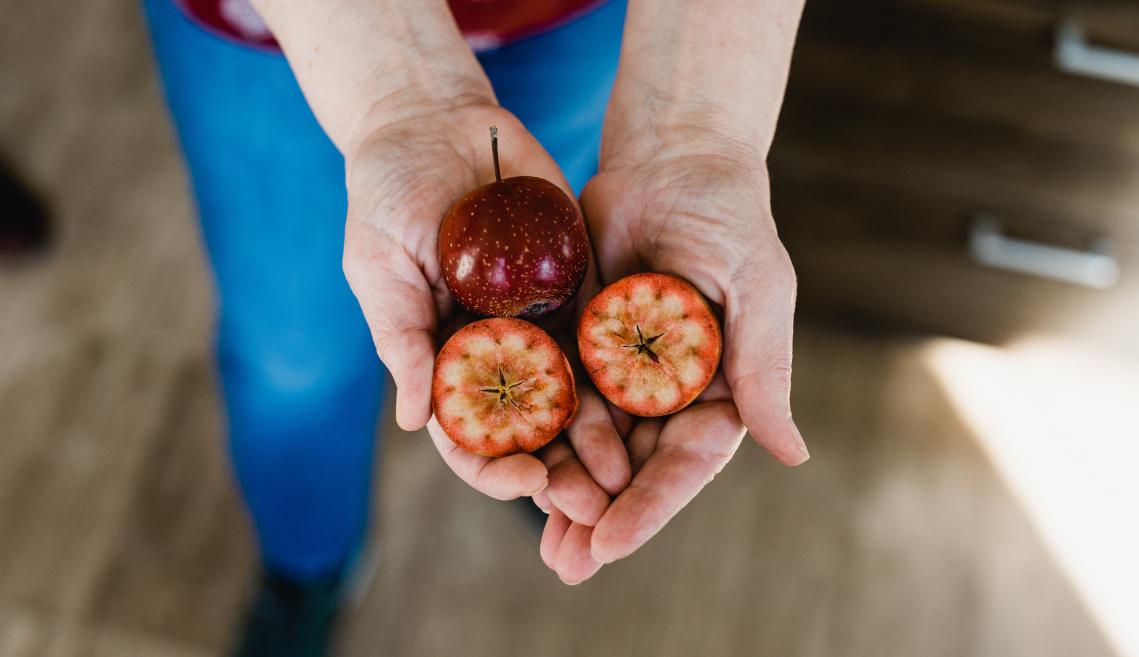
x=906 y=121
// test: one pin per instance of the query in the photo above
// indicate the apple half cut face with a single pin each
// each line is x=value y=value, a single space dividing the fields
x=650 y=343
x=502 y=386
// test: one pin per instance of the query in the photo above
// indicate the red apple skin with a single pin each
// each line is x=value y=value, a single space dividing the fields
x=680 y=336
x=540 y=397
x=514 y=248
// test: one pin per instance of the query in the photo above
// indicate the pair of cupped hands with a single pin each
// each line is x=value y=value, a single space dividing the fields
x=689 y=202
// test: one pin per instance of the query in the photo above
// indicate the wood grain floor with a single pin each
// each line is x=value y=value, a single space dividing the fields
x=121 y=536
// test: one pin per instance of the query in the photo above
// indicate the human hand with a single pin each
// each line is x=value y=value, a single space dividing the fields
x=699 y=208
x=403 y=175
x=400 y=93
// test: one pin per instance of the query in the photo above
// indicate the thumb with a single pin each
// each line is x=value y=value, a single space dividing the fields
x=759 y=313
x=400 y=310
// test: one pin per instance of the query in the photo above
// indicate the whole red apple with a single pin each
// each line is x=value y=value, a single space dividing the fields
x=514 y=248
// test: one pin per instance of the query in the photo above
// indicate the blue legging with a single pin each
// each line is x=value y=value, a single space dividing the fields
x=301 y=381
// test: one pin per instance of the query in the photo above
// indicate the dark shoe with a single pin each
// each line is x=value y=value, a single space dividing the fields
x=290 y=618
x=24 y=226
x=534 y=518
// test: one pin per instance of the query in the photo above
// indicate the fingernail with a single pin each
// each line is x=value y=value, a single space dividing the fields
x=800 y=445
x=541 y=508
x=545 y=482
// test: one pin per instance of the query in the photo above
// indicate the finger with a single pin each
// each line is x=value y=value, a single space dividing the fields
x=759 y=312
x=542 y=501
x=504 y=478
x=571 y=488
x=642 y=441
x=574 y=562
x=399 y=306
x=596 y=443
x=622 y=421
x=693 y=447
x=556 y=526
x=717 y=390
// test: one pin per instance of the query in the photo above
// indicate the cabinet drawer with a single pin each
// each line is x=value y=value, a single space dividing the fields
x=905 y=261
x=962 y=103
x=1111 y=23
x=907 y=119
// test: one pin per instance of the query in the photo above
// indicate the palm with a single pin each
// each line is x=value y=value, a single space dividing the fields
x=401 y=181
x=706 y=219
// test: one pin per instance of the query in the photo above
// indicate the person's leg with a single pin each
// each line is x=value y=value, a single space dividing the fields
x=558 y=85
x=301 y=380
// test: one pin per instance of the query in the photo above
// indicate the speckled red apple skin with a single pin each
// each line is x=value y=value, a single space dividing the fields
x=514 y=248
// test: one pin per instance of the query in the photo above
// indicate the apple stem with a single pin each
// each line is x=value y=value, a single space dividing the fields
x=494 y=151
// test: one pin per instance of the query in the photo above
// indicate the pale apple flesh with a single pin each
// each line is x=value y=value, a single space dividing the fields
x=650 y=343
x=502 y=386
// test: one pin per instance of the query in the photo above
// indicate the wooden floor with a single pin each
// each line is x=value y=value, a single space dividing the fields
x=121 y=536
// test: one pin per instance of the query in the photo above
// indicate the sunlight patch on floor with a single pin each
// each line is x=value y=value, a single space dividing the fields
x=1062 y=428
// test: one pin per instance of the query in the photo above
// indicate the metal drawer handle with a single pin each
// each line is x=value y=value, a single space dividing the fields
x=1075 y=55
x=1094 y=268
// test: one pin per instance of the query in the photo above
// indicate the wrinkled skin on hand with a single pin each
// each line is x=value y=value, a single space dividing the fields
x=402 y=177
x=613 y=480
x=703 y=214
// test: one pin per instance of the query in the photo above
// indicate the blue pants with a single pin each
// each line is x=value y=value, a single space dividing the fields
x=299 y=373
